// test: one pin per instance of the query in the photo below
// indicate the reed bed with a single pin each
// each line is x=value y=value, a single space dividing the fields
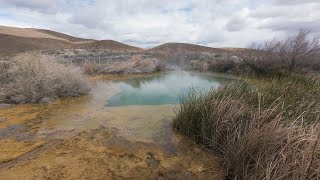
x=266 y=131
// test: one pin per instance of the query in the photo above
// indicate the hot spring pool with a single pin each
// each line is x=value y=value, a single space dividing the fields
x=162 y=89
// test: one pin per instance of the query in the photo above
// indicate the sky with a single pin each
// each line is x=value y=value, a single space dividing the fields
x=147 y=23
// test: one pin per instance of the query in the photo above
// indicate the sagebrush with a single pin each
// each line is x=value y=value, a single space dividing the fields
x=135 y=65
x=38 y=78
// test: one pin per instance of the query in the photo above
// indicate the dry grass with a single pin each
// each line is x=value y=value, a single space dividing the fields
x=270 y=131
x=37 y=78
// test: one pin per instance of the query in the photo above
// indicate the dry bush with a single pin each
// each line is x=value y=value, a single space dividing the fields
x=199 y=65
x=272 y=57
x=90 y=68
x=222 y=65
x=4 y=72
x=136 y=64
x=261 y=132
x=38 y=78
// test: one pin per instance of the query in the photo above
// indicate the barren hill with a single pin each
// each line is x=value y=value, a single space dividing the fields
x=14 y=44
x=109 y=44
x=176 y=48
x=64 y=36
x=14 y=40
x=27 y=33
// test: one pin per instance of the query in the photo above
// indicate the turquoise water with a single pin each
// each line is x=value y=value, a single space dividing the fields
x=162 y=89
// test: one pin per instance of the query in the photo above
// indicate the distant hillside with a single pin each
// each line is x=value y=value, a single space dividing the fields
x=64 y=36
x=109 y=44
x=175 y=48
x=14 y=44
x=14 y=40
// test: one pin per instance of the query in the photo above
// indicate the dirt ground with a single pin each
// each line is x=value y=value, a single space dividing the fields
x=100 y=154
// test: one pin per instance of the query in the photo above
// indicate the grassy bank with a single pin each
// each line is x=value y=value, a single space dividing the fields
x=268 y=130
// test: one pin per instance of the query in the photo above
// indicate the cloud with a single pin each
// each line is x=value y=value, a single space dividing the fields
x=293 y=26
x=31 y=4
x=295 y=2
x=236 y=24
x=148 y=23
x=288 y=16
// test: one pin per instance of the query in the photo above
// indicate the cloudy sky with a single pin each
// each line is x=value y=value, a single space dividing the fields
x=146 y=23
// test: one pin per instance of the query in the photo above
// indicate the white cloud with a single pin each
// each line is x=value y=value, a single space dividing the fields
x=151 y=22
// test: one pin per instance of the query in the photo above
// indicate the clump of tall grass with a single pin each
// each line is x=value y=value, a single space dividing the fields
x=267 y=131
x=38 y=78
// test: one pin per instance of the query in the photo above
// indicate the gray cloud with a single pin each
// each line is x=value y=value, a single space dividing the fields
x=151 y=22
x=236 y=24
x=294 y=2
x=294 y=26
x=32 y=4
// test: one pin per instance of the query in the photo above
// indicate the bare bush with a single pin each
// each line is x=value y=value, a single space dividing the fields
x=4 y=71
x=223 y=65
x=136 y=64
x=295 y=52
x=90 y=68
x=199 y=65
x=37 y=78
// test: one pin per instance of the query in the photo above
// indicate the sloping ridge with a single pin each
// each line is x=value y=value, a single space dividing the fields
x=176 y=48
x=64 y=36
x=14 y=40
x=14 y=44
x=109 y=44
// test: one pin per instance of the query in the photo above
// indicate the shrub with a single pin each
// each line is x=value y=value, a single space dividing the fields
x=137 y=64
x=270 y=131
x=222 y=65
x=278 y=57
x=4 y=72
x=90 y=68
x=38 y=78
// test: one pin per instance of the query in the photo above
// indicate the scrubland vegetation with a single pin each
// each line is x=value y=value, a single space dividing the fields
x=135 y=65
x=35 y=78
x=296 y=54
x=268 y=128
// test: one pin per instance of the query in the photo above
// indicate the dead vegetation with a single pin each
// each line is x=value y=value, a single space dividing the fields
x=4 y=71
x=299 y=53
x=35 y=78
x=136 y=65
x=270 y=131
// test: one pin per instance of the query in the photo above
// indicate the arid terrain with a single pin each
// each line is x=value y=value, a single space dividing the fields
x=76 y=108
